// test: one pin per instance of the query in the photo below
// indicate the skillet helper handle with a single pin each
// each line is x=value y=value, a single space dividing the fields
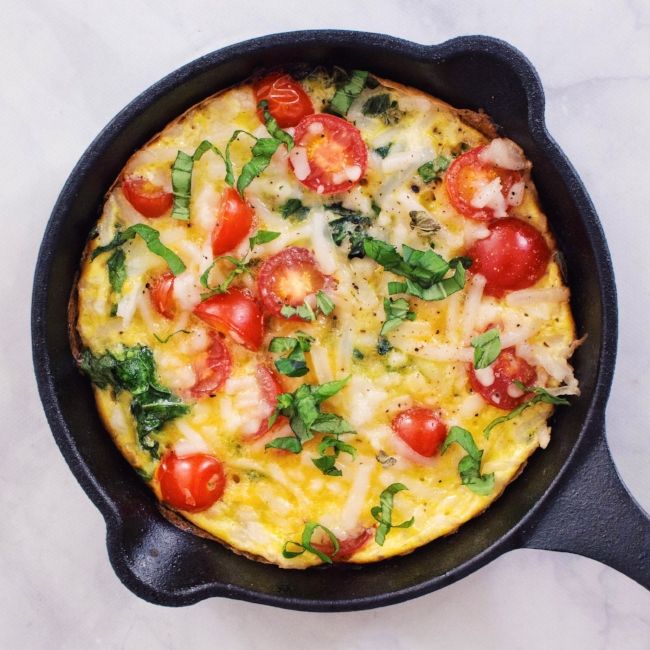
x=591 y=513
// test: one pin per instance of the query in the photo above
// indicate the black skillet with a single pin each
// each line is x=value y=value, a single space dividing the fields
x=569 y=498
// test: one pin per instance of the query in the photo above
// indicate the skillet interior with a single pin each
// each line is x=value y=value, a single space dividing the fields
x=166 y=565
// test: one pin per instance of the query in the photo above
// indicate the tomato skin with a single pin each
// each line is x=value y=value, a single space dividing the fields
x=161 y=293
x=347 y=547
x=213 y=371
x=234 y=222
x=191 y=483
x=421 y=429
x=288 y=101
x=288 y=278
x=507 y=368
x=270 y=387
x=237 y=314
x=513 y=256
x=148 y=199
x=461 y=175
x=338 y=145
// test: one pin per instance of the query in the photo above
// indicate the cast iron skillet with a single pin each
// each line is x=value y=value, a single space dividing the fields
x=569 y=498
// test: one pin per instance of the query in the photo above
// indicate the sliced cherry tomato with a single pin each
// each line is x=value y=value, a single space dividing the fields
x=270 y=387
x=161 y=292
x=506 y=369
x=330 y=155
x=288 y=101
x=466 y=174
x=237 y=314
x=192 y=483
x=234 y=222
x=289 y=278
x=421 y=429
x=513 y=256
x=149 y=199
x=347 y=547
x=212 y=372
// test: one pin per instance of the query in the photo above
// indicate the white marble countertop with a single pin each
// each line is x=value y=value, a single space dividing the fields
x=68 y=67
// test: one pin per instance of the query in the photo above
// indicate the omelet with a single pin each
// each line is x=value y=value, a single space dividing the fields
x=324 y=317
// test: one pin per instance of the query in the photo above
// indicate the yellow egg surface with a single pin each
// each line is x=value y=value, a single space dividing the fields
x=153 y=350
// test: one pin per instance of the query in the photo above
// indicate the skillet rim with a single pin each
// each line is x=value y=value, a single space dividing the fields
x=115 y=520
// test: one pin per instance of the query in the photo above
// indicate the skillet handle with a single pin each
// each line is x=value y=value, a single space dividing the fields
x=591 y=513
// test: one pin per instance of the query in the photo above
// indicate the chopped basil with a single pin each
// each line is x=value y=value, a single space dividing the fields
x=347 y=93
x=384 y=107
x=262 y=237
x=382 y=152
x=133 y=369
x=424 y=270
x=383 y=513
x=376 y=208
x=383 y=346
x=431 y=170
x=294 y=208
x=350 y=224
x=306 y=545
x=324 y=303
x=541 y=395
x=486 y=348
x=469 y=466
x=326 y=463
x=151 y=238
x=294 y=364
x=422 y=223
x=182 y=177
x=302 y=408
x=262 y=151
x=170 y=335
x=305 y=311
x=272 y=126
x=397 y=311
x=240 y=267
x=116 y=269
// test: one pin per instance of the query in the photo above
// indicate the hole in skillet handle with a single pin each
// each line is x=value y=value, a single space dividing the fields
x=168 y=566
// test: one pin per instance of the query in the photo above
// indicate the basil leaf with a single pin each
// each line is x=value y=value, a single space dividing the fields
x=282 y=344
x=431 y=170
x=331 y=423
x=170 y=336
x=382 y=152
x=541 y=395
x=262 y=151
x=327 y=465
x=344 y=96
x=327 y=462
x=240 y=267
x=116 y=270
x=376 y=208
x=306 y=545
x=350 y=224
x=329 y=389
x=397 y=311
x=383 y=513
x=469 y=466
x=487 y=347
x=292 y=367
x=294 y=208
x=262 y=237
x=324 y=303
x=133 y=369
x=151 y=238
x=382 y=106
x=288 y=443
x=272 y=126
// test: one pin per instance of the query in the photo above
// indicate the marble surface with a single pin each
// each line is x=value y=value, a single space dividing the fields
x=68 y=67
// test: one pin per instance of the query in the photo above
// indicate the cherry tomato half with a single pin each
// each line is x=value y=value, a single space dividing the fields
x=192 y=483
x=270 y=388
x=288 y=278
x=347 y=547
x=233 y=223
x=421 y=429
x=212 y=372
x=149 y=199
x=235 y=313
x=330 y=155
x=513 y=256
x=161 y=292
x=288 y=101
x=466 y=174
x=506 y=369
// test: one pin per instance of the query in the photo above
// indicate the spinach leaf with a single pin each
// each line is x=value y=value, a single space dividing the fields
x=469 y=466
x=541 y=395
x=347 y=93
x=486 y=348
x=384 y=107
x=383 y=513
x=117 y=270
x=432 y=170
x=350 y=224
x=306 y=545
